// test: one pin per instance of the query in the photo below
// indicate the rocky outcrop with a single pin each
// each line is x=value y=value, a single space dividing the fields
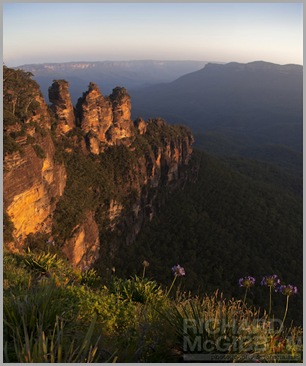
x=33 y=181
x=114 y=175
x=106 y=121
x=32 y=187
x=158 y=171
x=61 y=105
x=141 y=125
x=82 y=249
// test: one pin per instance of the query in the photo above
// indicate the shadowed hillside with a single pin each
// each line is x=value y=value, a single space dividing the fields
x=234 y=109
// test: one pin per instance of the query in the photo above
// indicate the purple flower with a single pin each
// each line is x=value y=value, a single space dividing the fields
x=287 y=290
x=247 y=281
x=270 y=281
x=178 y=270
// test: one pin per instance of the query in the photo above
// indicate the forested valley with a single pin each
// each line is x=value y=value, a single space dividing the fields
x=239 y=217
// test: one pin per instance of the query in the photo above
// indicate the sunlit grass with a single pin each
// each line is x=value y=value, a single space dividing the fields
x=55 y=313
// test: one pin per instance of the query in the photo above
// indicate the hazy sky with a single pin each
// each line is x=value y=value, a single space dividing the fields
x=224 y=32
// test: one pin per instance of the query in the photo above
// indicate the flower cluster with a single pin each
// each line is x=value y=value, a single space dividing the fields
x=247 y=281
x=287 y=290
x=178 y=270
x=270 y=281
x=145 y=263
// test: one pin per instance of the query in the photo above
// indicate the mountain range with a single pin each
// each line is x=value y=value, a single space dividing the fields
x=111 y=191
x=251 y=110
x=108 y=74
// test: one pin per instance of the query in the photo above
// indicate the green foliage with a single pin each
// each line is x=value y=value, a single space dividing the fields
x=20 y=103
x=53 y=348
x=9 y=117
x=19 y=93
x=34 y=329
x=42 y=262
x=129 y=320
x=8 y=228
x=16 y=277
x=90 y=278
x=80 y=194
x=10 y=145
x=137 y=289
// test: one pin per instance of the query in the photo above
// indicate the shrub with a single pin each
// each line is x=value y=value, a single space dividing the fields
x=42 y=262
x=90 y=278
x=137 y=289
x=10 y=145
x=8 y=228
x=51 y=346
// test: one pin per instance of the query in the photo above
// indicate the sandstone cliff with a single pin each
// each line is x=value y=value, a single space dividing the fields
x=33 y=181
x=92 y=189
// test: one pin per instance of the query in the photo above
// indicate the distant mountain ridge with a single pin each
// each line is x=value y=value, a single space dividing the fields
x=245 y=106
x=250 y=109
x=107 y=74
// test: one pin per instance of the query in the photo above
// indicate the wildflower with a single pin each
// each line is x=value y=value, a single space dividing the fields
x=246 y=282
x=178 y=270
x=145 y=265
x=287 y=290
x=270 y=281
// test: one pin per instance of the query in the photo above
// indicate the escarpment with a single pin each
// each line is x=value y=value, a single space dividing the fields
x=33 y=181
x=85 y=178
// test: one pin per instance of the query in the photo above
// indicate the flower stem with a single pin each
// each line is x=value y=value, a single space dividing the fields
x=270 y=305
x=174 y=279
x=286 y=310
x=246 y=291
x=144 y=271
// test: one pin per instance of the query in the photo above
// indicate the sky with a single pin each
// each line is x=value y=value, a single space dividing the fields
x=215 y=32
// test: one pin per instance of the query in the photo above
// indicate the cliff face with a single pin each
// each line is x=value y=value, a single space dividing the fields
x=82 y=249
x=94 y=188
x=33 y=181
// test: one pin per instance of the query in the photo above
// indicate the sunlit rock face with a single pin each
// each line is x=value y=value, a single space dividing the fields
x=145 y=158
x=32 y=187
x=33 y=181
x=106 y=121
x=61 y=105
x=82 y=249
x=141 y=125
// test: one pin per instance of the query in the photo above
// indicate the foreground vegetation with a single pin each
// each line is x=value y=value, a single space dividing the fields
x=56 y=313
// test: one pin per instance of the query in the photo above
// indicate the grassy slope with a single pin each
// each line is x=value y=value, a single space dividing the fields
x=54 y=313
